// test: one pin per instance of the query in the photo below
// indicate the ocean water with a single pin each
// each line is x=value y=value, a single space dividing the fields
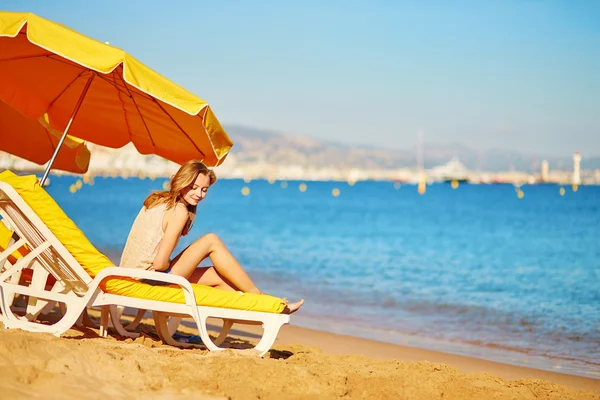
x=473 y=270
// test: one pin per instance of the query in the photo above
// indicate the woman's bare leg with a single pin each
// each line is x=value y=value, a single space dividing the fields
x=210 y=277
x=186 y=263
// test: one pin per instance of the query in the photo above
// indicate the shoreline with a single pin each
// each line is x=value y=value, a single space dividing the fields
x=489 y=352
x=351 y=345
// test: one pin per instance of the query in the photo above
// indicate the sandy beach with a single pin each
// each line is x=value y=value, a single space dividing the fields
x=303 y=363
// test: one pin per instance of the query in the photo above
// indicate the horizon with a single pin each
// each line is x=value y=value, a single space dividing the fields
x=515 y=75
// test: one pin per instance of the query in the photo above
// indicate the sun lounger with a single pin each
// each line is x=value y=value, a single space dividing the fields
x=87 y=278
x=11 y=250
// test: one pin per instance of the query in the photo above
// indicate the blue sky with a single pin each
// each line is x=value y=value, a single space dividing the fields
x=522 y=75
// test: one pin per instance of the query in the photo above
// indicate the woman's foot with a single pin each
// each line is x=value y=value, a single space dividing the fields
x=292 y=307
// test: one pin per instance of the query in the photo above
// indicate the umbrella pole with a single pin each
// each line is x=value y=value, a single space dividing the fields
x=64 y=135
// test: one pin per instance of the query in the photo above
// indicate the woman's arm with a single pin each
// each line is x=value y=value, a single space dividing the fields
x=176 y=220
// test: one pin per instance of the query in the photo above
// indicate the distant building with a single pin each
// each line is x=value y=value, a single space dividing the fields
x=453 y=170
x=576 y=168
x=545 y=171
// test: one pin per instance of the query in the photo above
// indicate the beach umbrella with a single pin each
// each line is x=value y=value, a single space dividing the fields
x=100 y=93
x=31 y=140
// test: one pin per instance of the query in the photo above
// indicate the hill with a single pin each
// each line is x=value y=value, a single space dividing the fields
x=257 y=145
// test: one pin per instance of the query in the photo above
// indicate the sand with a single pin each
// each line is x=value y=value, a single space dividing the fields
x=303 y=364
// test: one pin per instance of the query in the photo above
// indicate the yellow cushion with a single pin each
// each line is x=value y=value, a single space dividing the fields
x=5 y=236
x=93 y=261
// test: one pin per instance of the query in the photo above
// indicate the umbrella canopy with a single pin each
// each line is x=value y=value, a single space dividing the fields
x=29 y=139
x=101 y=94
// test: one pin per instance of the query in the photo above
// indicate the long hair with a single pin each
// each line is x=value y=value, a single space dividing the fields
x=184 y=177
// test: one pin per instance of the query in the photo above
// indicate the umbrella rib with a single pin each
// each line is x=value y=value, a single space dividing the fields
x=119 y=88
x=57 y=58
x=127 y=87
x=48 y=56
x=180 y=128
x=138 y=110
x=66 y=87
x=25 y=57
x=52 y=57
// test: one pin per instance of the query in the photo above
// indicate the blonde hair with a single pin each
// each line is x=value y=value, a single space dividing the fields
x=184 y=177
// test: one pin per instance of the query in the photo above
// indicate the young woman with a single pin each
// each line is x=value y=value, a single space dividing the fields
x=168 y=215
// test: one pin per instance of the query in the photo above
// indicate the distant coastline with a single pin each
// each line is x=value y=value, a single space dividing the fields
x=260 y=154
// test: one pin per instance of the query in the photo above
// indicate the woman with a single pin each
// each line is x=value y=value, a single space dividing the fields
x=168 y=215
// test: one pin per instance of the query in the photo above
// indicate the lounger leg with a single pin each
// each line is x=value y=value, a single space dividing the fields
x=272 y=324
x=136 y=321
x=115 y=313
x=57 y=288
x=271 y=329
x=79 y=320
x=74 y=307
x=5 y=265
x=227 y=324
x=104 y=311
x=115 y=318
x=14 y=279
x=38 y=280
x=210 y=345
x=6 y=298
x=161 y=324
x=85 y=320
x=173 y=324
x=62 y=308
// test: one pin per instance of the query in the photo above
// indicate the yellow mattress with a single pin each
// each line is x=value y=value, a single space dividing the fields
x=5 y=236
x=93 y=261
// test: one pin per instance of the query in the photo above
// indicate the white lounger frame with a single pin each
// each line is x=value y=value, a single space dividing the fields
x=77 y=290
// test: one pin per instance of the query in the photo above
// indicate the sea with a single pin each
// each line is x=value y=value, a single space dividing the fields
x=475 y=270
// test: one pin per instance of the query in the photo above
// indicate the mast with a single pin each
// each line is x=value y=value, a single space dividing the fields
x=420 y=151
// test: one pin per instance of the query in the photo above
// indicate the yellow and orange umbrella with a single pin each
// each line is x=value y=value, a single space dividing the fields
x=29 y=139
x=101 y=94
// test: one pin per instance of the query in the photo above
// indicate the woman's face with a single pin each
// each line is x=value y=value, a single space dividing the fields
x=196 y=191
